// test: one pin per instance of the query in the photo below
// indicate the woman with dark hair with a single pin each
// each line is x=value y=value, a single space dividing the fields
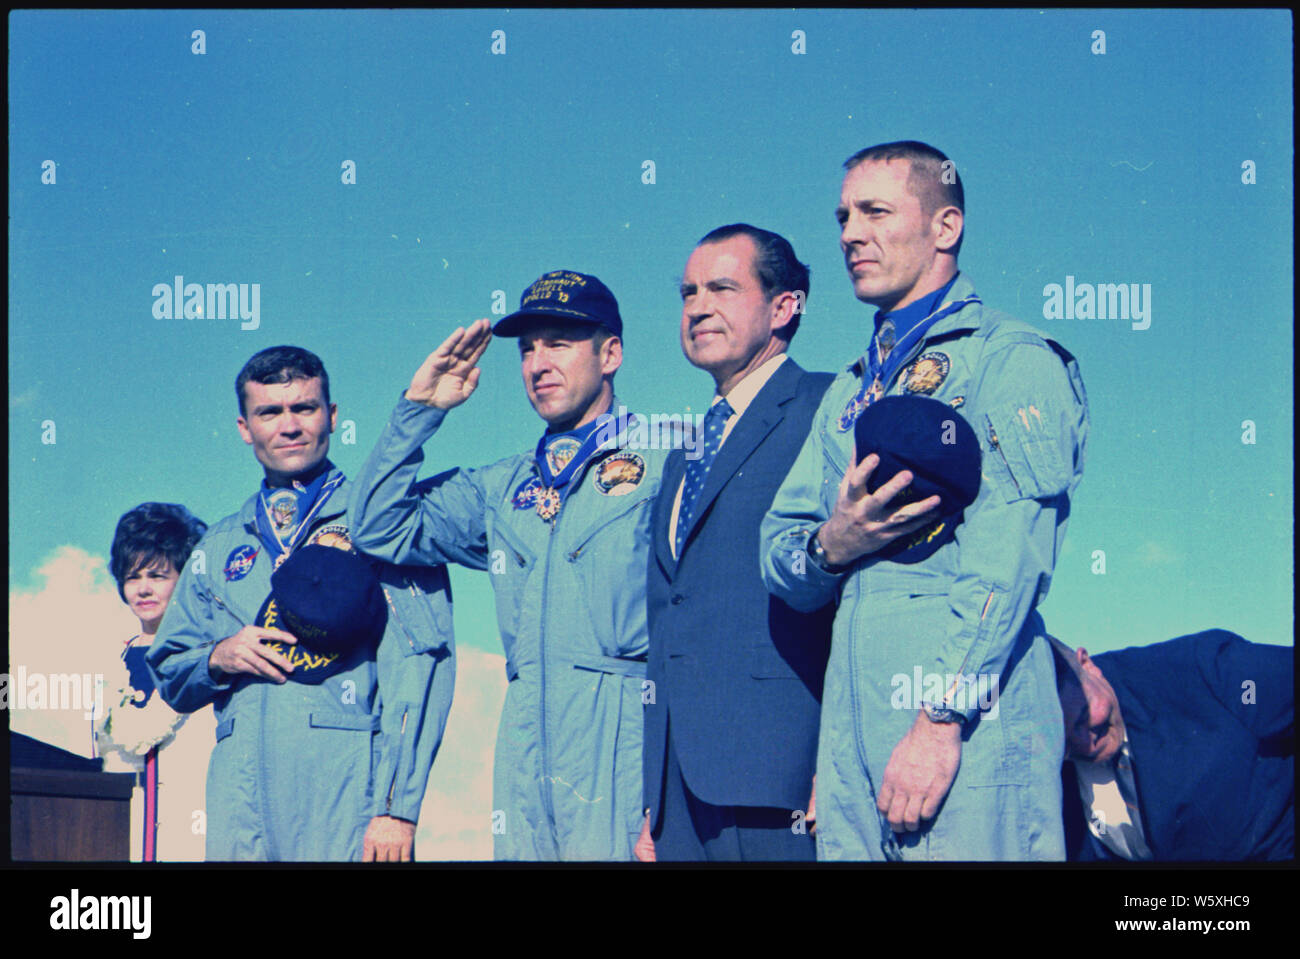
x=150 y=547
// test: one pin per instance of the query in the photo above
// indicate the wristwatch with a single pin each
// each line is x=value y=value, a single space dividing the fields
x=942 y=714
x=817 y=553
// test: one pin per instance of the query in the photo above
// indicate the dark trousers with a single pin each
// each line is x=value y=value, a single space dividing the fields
x=692 y=830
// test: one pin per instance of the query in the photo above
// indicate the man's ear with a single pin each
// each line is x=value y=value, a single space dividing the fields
x=784 y=307
x=243 y=430
x=947 y=224
x=611 y=356
x=1086 y=663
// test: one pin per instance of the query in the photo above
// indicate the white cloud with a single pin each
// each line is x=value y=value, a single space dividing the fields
x=456 y=818
x=72 y=622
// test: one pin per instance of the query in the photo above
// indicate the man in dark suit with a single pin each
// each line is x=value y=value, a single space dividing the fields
x=1182 y=750
x=735 y=674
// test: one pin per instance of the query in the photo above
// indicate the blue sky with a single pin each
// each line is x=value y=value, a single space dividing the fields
x=478 y=172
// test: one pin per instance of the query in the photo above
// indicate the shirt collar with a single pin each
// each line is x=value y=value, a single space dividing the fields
x=316 y=474
x=743 y=393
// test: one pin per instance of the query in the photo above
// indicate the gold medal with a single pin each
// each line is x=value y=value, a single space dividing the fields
x=548 y=503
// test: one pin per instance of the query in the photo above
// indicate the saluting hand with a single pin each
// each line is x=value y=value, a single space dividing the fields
x=863 y=522
x=450 y=373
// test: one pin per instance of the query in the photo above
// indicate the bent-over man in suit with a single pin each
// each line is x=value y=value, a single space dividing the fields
x=731 y=728
x=1182 y=750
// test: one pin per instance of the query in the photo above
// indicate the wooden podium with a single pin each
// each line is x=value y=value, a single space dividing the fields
x=64 y=808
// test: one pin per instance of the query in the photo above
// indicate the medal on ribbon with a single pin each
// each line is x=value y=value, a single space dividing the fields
x=282 y=538
x=570 y=452
x=560 y=452
x=548 y=503
x=283 y=506
x=883 y=366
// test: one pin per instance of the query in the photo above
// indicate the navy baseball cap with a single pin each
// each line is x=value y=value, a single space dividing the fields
x=935 y=442
x=331 y=601
x=566 y=296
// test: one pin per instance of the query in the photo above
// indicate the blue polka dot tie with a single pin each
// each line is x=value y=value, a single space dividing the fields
x=715 y=420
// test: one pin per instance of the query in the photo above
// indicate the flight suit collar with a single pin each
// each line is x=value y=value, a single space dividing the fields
x=968 y=318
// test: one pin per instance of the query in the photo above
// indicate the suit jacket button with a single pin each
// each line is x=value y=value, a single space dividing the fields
x=677 y=599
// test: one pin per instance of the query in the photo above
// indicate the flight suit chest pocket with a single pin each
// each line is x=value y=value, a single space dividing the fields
x=609 y=564
x=1022 y=458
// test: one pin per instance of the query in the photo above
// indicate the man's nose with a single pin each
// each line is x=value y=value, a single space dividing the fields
x=697 y=313
x=855 y=230
x=539 y=361
x=701 y=306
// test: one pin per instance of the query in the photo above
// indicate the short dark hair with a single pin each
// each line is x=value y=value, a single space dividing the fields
x=150 y=532
x=925 y=177
x=778 y=269
x=281 y=364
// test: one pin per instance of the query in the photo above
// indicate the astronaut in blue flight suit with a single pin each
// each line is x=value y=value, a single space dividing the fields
x=564 y=530
x=940 y=737
x=317 y=770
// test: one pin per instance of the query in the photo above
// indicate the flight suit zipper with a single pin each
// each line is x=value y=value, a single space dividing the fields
x=541 y=659
x=392 y=787
x=410 y=641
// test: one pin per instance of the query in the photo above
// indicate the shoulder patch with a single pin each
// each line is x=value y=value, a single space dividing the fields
x=334 y=534
x=619 y=474
x=926 y=374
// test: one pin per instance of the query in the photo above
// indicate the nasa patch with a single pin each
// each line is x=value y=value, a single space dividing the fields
x=619 y=474
x=240 y=562
x=525 y=495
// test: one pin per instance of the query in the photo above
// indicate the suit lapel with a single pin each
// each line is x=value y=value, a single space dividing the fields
x=674 y=470
x=767 y=409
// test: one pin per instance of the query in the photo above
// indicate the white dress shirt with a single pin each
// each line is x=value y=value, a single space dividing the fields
x=740 y=397
x=1109 y=794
